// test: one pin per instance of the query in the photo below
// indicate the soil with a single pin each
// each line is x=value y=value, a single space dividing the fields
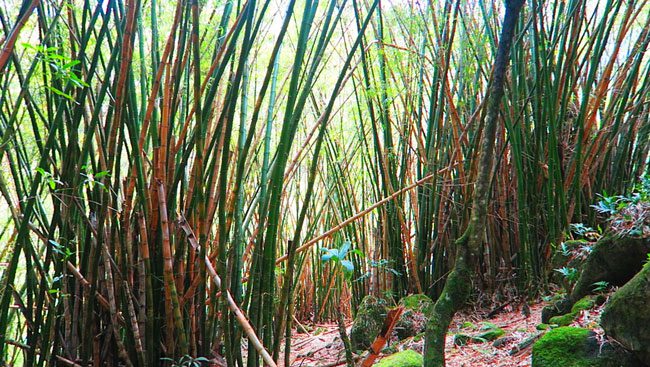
x=322 y=346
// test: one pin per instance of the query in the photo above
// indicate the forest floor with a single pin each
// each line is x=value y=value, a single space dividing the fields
x=323 y=346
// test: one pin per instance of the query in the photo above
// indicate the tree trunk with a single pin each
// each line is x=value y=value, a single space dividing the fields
x=457 y=286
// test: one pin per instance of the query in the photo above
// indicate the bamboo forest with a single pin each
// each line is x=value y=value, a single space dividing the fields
x=302 y=183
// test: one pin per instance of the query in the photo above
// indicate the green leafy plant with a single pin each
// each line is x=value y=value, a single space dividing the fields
x=570 y=274
x=600 y=286
x=338 y=257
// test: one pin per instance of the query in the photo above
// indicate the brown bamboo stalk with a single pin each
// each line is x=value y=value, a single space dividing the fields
x=10 y=42
x=171 y=296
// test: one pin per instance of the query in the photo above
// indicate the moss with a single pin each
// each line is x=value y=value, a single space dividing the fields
x=626 y=317
x=585 y=303
x=542 y=326
x=491 y=334
x=486 y=336
x=561 y=347
x=577 y=347
x=564 y=320
x=468 y=325
x=614 y=260
x=368 y=322
x=407 y=358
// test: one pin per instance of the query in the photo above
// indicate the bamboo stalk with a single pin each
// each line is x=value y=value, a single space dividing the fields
x=239 y=315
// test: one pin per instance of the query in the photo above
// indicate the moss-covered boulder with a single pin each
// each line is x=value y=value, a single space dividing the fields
x=626 y=317
x=368 y=322
x=614 y=260
x=563 y=320
x=413 y=320
x=407 y=358
x=578 y=347
x=488 y=332
x=409 y=324
x=584 y=304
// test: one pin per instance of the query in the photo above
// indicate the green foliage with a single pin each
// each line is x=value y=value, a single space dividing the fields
x=600 y=286
x=338 y=257
x=570 y=274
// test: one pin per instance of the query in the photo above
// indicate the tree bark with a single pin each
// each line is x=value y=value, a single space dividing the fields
x=457 y=286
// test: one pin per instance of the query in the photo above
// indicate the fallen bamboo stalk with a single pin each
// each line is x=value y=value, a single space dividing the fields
x=381 y=339
x=246 y=326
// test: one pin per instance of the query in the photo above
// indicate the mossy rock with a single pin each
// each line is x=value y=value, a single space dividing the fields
x=413 y=320
x=468 y=325
x=406 y=358
x=503 y=341
x=578 y=347
x=626 y=316
x=408 y=325
x=614 y=260
x=368 y=322
x=564 y=320
x=586 y=303
x=491 y=334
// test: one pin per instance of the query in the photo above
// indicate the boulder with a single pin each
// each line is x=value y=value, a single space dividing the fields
x=578 y=347
x=368 y=322
x=584 y=304
x=413 y=320
x=626 y=317
x=613 y=259
x=406 y=358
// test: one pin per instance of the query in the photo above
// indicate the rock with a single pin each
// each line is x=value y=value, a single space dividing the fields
x=407 y=358
x=614 y=260
x=368 y=322
x=626 y=317
x=413 y=321
x=564 y=320
x=578 y=347
x=584 y=304
x=491 y=334
x=408 y=325
x=503 y=341
x=468 y=325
